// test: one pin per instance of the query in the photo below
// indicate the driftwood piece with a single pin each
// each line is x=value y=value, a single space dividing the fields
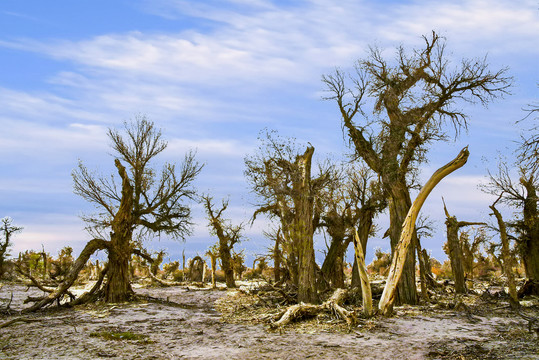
x=333 y=304
x=401 y=250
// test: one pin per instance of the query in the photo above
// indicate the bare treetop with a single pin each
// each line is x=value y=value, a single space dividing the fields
x=158 y=199
x=412 y=98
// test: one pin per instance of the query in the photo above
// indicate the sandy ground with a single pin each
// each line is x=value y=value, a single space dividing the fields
x=197 y=331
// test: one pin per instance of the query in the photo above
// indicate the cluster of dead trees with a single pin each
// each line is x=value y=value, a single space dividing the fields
x=391 y=113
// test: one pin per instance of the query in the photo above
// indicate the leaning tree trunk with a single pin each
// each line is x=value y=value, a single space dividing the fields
x=364 y=229
x=399 y=206
x=91 y=247
x=408 y=231
x=366 y=292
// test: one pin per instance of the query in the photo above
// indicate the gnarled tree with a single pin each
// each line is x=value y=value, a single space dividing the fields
x=227 y=234
x=7 y=230
x=281 y=176
x=455 y=250
x=522 y=195
x=412 y=100
x=143 y=204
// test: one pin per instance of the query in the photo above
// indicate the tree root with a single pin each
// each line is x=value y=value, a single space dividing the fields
x=333 y=304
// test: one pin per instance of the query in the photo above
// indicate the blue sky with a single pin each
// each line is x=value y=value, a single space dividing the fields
x=212 y=75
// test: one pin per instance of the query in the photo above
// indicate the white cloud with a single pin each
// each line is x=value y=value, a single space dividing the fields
x=36 y=140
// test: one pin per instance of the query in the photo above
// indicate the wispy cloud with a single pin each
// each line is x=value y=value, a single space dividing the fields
x=21 y=16
x=254 y=64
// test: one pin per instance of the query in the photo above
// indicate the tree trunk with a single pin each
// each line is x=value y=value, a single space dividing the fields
x=118 y=287
x=455 y=254
x=431 y=283
x=398 y=208
x=422 y=270
x=366 y=292
x=226 y=264
x=530 y=249
x=408 y=231
x=277 y=258
x=303 y=228
x=213 y=261
x=44 y=259
x=333 y=267
x=364 y=228
x=455 y=249
x=506 y=256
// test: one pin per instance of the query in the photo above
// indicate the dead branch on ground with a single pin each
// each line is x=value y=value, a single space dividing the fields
x=333 y=304
x=16 y=320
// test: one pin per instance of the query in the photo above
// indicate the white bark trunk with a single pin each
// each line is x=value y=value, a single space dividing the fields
x=399 y=258
x=362 y=270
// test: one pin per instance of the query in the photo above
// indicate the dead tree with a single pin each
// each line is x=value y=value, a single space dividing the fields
x=369 y=200
x=522 y=195
x=408 y=230
x=227 y=234
x=281 y=176
x=362 y=270
x=424 y=229
x=412 y=100
x=238 y=263
x=276 y=252
x=455 y=249
x=213 y=253
x=7 y=230
x=471 y=249
x=507 y=263
x=196 y=269
x=143 y=204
